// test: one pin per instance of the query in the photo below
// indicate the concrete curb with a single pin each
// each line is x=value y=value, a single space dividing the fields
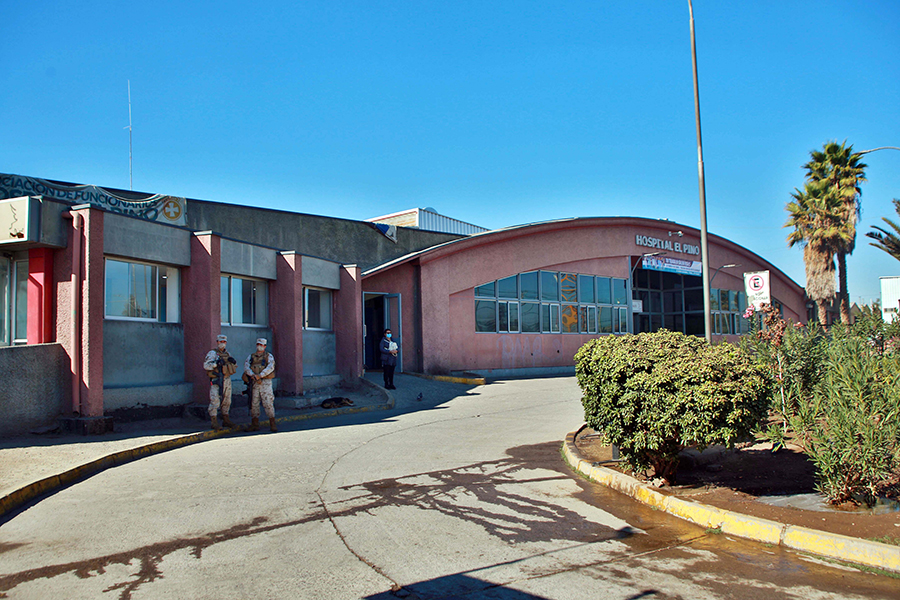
x=20 y=497
x=830 y=545
x=450 y=379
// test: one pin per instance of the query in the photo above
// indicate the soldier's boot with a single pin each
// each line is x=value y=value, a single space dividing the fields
x=254 y=424
x=215 y=423
x=226 y=420
x=272 y=425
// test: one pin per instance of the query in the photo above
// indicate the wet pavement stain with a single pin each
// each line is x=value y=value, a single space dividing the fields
x=505 y=514
x=509 y=516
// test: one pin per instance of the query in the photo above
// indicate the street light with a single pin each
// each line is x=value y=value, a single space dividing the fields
x=719 y=269
x=634 y=268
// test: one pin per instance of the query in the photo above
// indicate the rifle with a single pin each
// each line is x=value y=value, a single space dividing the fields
x=220 y=378
x=248 y=381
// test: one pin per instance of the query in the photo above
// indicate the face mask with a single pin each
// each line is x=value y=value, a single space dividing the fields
x=260 y=349
x=221 y=346
x=387 y=335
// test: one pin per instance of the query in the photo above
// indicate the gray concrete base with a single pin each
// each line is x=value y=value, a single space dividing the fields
x=519 y=373
x=86 y=425
x=152 y=395
x=316 y=382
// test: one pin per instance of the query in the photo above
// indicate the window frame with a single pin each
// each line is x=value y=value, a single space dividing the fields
x=163 y=271
x=306 y=289
x=230 y=323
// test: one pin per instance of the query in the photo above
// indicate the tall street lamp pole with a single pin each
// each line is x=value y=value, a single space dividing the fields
x=704 y=248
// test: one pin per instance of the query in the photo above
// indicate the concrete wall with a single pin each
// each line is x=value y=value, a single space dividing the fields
x=145 y=240
x=248 y=260
x=137 y=353
x=241 y=343
x=321 y=273
x=319 y=353
x=339 y=240
x=36 y=387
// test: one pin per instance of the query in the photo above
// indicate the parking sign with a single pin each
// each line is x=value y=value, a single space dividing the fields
x=756 y=284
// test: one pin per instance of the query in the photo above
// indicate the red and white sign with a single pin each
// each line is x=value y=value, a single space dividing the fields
x=756 y=284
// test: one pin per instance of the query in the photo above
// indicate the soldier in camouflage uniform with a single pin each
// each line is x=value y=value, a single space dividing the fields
x=259 y=368
x=220 y=366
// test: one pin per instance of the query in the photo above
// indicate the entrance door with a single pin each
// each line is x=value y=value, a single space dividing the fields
x=392 y=321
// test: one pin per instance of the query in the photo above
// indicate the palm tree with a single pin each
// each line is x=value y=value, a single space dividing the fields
x=887 y=241
x=841 y=170
x=816 y=214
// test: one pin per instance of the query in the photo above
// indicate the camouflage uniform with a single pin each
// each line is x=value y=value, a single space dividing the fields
x=216 y=362
x=264 y=366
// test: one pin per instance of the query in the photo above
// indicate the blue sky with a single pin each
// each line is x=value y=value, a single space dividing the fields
x=497 y=113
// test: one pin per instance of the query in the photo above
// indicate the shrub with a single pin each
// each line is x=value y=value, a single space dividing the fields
x=851 y=427
x=654 y=394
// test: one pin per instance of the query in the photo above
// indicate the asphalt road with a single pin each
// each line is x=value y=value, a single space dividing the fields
x=463 y=494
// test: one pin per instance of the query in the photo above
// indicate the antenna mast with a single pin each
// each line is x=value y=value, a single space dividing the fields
x=130 y=167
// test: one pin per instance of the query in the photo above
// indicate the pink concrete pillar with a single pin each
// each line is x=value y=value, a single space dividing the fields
x=200 y=308
x=40 y=296
x=92 y=308
x=286 y=312
x=348 y=323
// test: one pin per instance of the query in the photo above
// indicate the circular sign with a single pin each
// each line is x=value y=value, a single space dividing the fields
x=757 y=283
x=172 y=210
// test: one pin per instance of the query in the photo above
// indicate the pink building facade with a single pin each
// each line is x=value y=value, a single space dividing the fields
x=114 y=311
x=524 y=299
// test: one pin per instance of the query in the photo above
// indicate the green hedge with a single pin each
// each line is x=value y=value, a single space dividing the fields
x=654 y=394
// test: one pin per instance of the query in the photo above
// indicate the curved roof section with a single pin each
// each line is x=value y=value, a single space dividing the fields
x=500 y=235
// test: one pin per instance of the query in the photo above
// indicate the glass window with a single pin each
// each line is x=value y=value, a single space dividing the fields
x=623 y=320
x=693 y=300
x=530 y=317
x=655 y=302
x=619 y=295
x=508 y=287
x=586 y=289
x=724 y=301
x=672 y=302
x=549 y=286
x=569 y=319
x=604 y=292
x=317 y=311
x=733 y=301
x=485 y=291
x=582 y=319
x=225 y=304
x=5 y=268
x=606 y=319
x=502 y=316
x=554 y=318
x=528 y=286
x=513 y=317
x=592 y=319
x=568 y=287
x=20 y=333
x=671 y=281
x=246 y=302
x=485 y=316
x=131 y=290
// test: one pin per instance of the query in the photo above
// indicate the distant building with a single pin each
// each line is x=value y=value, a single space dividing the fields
x=429 y=220
x=890 y=298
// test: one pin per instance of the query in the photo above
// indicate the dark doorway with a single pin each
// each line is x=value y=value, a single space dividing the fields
x=373 y=317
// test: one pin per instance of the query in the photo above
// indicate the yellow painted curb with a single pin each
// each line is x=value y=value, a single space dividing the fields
x=449 y=379
x=26 y=494
x=830 y=545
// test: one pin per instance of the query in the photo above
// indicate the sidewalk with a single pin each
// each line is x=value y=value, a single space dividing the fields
x=33 y=465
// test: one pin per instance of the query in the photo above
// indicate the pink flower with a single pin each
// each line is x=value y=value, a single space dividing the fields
x=749 y=312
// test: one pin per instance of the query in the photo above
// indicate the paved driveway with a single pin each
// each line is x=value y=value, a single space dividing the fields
x=460 y=494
